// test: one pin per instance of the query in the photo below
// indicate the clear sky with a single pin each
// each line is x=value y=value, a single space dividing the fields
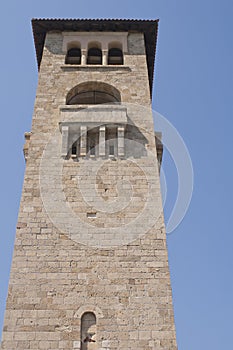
x=193 y=89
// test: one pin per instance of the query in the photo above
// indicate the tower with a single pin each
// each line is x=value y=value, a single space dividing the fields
x=90 y=267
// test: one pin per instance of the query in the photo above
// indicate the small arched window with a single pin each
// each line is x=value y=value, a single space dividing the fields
x=73 y=56
x=88 y=331
x=115 y=56
x=94 y=56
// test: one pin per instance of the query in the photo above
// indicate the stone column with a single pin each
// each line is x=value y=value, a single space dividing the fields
x=83 y=140
x=65 y=141
x=121 y=140
x=84 y=57
x=105 y=57
x=102 y=141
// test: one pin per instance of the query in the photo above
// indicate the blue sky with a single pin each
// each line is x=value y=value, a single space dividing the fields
x=193 y=90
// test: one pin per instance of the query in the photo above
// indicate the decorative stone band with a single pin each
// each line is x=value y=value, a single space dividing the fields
x=99 y=114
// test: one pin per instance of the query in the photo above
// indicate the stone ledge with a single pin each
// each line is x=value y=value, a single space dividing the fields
x=98 y=114
x=94 y=107
x=68 y=67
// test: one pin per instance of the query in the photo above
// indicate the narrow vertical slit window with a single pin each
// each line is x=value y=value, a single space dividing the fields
x=74 y=149
x=88 y=331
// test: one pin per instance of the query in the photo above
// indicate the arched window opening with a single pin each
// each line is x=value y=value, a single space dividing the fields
x=92 y=97
x=115 y=56
x=88 y=331
x=93 y=93
x=94 y=56
x=73 y=56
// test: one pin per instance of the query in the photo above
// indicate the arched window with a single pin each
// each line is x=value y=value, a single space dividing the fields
x=94 y=56
x=88 y=331
x=115 y=56
x=92 y=98
x=73 y=56
x=93 y=93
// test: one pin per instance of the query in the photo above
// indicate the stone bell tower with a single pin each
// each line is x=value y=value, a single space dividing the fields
x=90 y=267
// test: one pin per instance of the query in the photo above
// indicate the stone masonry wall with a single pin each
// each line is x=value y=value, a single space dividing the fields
x=57 y=277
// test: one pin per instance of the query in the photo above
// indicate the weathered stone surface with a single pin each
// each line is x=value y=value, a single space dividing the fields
x=109 y=256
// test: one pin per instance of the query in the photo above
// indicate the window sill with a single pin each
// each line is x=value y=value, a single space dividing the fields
x=68 y=67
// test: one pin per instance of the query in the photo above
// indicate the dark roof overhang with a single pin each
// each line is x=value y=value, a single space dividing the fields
x=149 y=27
